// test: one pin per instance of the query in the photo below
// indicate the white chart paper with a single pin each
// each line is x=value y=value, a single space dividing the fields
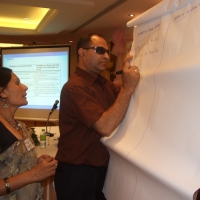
x=155 y=151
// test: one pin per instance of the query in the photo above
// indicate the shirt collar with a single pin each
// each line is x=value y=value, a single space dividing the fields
x=89 y=77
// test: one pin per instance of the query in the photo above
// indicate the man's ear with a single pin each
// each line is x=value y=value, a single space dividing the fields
x=81 y=52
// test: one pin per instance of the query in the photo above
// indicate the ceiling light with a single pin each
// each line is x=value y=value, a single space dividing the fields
x=71 y=41
x=28 y=18
x=10 y=45
x=131 y=15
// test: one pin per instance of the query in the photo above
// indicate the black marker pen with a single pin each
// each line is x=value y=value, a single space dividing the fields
x=119 y=72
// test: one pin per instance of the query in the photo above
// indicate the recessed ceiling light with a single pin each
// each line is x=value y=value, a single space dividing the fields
x=25 y=18
x=71 y=41
x=131 y=15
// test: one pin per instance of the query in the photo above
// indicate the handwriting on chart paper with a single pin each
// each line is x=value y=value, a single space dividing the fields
x=149 y=36
x=186 y=12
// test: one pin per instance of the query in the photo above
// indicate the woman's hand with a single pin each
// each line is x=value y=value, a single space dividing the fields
x=46 y=167
x=43 y=157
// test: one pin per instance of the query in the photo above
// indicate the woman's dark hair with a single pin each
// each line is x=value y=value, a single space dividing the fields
x=5 y=77
x=85 y=41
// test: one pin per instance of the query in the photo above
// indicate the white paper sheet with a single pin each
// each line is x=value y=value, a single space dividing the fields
x=155 y=151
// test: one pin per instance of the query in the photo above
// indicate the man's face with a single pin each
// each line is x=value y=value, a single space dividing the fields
x=95 y=62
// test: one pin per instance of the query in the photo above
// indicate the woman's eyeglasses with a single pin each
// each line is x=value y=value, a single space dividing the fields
x=99 y=50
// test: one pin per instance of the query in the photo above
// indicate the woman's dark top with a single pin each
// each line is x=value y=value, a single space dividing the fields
x=6 y=138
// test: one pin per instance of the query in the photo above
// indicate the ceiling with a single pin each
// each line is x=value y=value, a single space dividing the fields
x=69 y=19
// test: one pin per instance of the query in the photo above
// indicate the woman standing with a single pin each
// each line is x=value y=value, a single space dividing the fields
x=20 y=170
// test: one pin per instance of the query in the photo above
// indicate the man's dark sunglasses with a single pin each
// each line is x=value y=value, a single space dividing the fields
x=99 y=50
